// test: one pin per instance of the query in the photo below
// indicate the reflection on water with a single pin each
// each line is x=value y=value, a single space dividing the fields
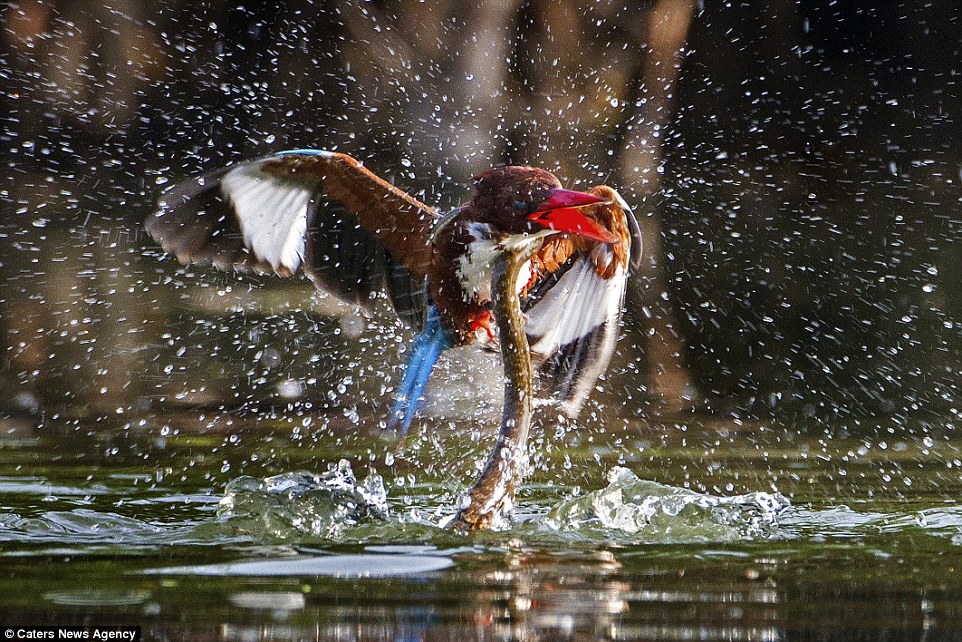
x=363 y=565
x=160 y=549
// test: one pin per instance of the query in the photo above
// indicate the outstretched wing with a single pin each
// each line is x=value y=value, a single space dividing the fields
x=312 y=211
x=575 y=304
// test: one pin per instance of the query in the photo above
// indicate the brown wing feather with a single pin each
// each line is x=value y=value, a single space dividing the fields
x=311 y=211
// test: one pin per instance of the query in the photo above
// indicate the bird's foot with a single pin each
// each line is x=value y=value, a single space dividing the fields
x=483 y=323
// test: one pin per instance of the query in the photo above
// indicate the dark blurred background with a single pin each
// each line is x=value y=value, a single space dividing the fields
x=796 y=166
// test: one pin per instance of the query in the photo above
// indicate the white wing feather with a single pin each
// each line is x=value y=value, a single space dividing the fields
x=272 y=214
x=579 y=303
x=573 y=329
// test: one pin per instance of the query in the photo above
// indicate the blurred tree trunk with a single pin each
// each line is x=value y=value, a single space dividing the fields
x=638 y=156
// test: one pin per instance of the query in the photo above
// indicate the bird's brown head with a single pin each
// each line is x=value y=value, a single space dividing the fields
x=518 y=200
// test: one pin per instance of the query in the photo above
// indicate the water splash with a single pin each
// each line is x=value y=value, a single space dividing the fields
x=303 y=503
x=653 y=512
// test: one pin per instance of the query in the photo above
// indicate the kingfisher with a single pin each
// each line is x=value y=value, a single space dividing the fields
x=353 y=234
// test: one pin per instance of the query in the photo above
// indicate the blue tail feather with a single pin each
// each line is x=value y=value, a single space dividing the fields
x=425 y=350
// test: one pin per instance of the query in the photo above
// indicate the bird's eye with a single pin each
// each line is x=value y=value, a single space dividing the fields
x=521 y=206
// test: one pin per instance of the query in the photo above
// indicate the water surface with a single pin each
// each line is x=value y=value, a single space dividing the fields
x=227 y=527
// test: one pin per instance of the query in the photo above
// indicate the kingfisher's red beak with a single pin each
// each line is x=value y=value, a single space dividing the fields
x=561 y=211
